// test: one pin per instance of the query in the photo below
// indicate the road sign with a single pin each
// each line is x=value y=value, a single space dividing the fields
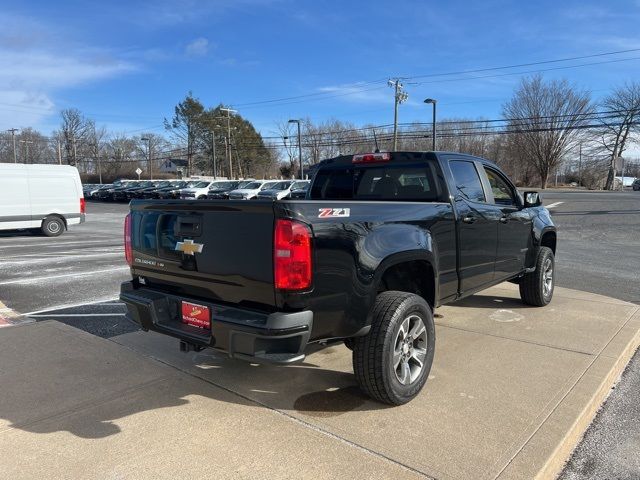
x=138 y=171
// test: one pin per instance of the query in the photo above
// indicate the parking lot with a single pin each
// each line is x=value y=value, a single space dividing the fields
x=74 y=279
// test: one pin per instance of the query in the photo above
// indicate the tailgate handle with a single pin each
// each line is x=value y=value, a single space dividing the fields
x=188 y=226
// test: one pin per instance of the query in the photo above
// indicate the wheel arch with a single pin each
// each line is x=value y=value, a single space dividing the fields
x=549 y=239
x=413 y=272
x=56 y=215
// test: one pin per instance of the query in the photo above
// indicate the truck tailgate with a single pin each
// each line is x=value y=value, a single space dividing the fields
x=212 y=249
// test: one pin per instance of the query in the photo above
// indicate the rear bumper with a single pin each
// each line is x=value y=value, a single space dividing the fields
x=245 y=334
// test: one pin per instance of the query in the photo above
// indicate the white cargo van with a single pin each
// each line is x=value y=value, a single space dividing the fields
x=48 y=197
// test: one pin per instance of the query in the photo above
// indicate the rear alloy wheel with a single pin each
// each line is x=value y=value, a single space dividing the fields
x=52 y=226
x=536 y=288
x=392 y=362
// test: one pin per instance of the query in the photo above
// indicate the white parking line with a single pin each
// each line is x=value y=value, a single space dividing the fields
x=54 y=277
x=74 y=305
x=45 y=258
x=108 y=242
x=44 y=315
x=553 y=205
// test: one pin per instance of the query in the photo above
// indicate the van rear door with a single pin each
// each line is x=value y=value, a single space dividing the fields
x=55 y=189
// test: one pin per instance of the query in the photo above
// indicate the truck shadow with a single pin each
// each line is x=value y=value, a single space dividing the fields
x=491 y=302
x=321 y=387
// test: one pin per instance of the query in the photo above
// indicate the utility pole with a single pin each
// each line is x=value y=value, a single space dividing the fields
x=73 y=142
x=228 y=110
x=580 y=164
x=148 y=140
x=26 y=145
x=213 y=152
x=299 y=148
x=13 y=137
x=60 y=153
x=400 y=96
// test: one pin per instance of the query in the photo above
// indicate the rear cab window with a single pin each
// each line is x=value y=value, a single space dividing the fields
x=406 y=177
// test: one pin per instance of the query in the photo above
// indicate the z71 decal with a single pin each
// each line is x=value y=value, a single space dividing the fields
x=334 y=212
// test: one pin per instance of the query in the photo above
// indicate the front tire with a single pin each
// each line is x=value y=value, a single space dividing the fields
x=52 y=227
x=392 y=362
x=536 y=288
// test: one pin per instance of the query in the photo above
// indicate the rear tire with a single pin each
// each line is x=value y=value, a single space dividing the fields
x=392 y=362
x=348 y=342
x=536 y=288
x=52 y=227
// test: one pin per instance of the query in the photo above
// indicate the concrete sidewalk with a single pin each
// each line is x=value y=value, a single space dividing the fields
x=511 y=391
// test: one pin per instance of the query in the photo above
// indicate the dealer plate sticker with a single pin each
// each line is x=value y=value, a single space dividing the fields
x=196 y=315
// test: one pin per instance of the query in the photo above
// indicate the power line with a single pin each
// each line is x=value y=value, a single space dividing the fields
x=326 y=95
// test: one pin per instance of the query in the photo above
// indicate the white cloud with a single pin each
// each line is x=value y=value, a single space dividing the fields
x=33 y=69
x=198 y=48
x=359 y=92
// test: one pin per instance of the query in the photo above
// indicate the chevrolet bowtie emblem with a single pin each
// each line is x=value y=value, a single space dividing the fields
x=188 y=247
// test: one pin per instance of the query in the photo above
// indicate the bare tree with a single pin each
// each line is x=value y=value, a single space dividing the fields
x=74 y=132
x=546 y=116
x=121 y=156
x=96 y=145
x=289 y=147
x=620 y=125
x=160 y=151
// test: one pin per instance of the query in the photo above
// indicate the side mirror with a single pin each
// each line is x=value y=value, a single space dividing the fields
x=532 y=199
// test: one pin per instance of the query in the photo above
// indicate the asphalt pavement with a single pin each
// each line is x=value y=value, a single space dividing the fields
x=599 y=251
x=75 y=279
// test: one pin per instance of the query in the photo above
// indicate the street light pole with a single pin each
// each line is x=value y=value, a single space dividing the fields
x=148 y=140
x=433 y=122
x=299 y=148
x=13 y=137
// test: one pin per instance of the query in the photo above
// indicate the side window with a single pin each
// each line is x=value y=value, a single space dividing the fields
x=467 y=180
x=502 y=192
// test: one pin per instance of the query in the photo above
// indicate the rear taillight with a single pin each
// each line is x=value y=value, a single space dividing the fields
x=292 y=255
x=371 y=157
x=128 y=252
x=83 y=205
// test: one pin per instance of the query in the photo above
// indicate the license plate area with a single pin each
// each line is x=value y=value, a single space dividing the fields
x=196 y=315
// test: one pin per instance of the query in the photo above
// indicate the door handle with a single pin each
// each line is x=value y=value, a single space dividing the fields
x=504 y=219
x=469 y=219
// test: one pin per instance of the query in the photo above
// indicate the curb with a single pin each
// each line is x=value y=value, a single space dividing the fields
x=563 y=452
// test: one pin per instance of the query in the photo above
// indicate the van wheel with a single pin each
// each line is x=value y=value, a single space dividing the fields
x=536 y=288
x=52 y=226
x=392 y=362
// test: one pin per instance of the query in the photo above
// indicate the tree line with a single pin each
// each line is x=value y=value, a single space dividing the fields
x=548 y=128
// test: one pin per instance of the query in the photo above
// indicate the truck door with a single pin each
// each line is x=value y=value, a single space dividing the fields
x=477 y=226
x=514 y=226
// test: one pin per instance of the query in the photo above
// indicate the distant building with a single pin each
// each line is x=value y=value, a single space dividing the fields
x=174 y=165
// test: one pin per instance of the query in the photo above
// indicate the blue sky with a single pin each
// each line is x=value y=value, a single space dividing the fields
x=126 y=64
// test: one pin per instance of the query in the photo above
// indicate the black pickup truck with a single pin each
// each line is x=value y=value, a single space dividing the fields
x=379 y=242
